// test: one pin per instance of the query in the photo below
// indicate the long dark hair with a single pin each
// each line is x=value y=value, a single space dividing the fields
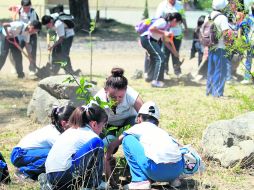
x=84 y=114
x=59 y=114
x=116 y=80
x=170 y=16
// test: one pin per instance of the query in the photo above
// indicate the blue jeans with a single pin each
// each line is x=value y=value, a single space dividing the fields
x=86 y=169
x=217 y=72
x=143 y=168
x=229 y=71
x=30 y=162
x=248 y=63
x=156 y=64
x=197 y=47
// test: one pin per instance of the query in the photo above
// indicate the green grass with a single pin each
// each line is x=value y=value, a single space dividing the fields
x=185 y=113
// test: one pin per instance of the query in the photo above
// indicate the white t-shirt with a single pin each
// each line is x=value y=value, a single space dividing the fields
x=124 y=110
x=160 y=24
x=157 y=143
x=27 y=17
x=41 y=138
x=60 y=155
x=165 y=7
x=18 y=28
x=62 y=30
x=222 y=24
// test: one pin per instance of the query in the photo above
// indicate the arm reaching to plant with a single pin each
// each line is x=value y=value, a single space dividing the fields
x=110 y=150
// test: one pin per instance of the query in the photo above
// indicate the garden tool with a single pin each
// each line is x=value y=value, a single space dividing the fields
x=169 y=42
x=14 y=42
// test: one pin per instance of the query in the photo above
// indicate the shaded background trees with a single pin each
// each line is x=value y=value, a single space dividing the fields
x=80 y=10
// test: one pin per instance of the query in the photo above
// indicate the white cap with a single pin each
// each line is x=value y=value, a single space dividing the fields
x=219 y=4
x=150 y=108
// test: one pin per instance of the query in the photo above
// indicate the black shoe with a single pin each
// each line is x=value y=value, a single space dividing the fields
x=148 y=80
x=76 y=73
x=32 y=67
x=21 y=75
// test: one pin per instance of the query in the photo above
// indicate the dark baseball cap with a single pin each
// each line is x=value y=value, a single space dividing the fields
x=26 y=2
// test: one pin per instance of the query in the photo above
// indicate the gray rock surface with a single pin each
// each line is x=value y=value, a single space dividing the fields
x=231 y=141
x=53 y=91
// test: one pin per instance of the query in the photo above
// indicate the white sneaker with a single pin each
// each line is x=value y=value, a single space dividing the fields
x=138 y=185
x=44 y=183
x=176 y=183
x=103 y=185
x=31 y=73
x=157 y=84
x=245 y=81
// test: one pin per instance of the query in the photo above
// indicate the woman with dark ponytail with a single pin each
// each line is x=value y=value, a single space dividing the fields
x=151 y=41
x=127 y=102
x=30 y=154
x=76 y=158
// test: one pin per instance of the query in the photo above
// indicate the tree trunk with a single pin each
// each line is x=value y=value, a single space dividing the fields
x=80 y=10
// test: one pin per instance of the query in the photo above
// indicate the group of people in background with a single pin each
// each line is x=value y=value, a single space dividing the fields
x=69 y=152
x=170 y=26
x=221 y=64
x=22 y=32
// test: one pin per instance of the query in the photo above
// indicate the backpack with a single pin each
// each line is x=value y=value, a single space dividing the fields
x=31 y=10
x=4 y=173
x=67 y=19
x=192 y=161
x=144 y=25
x=209 y=33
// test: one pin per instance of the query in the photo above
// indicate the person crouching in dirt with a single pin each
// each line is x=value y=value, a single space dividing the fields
x=9 y=41
x=127 y=103
x=30 y=154
x=61 y=48
x=76 y=158
x=151 y=153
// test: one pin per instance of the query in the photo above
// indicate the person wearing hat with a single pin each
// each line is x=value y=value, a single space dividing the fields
x=152 y=154
x=217 y=56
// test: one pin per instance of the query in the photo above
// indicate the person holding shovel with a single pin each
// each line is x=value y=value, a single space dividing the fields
x=172 y=6
x=62 y=46
x=151 y=40
x=9 y=41
x=26 y=14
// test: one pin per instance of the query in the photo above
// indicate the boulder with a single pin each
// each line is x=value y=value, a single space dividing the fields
x=231 y=141
x=53 y=91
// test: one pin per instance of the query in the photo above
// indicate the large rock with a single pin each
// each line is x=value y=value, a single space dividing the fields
x=231 y=141
x=53 y=91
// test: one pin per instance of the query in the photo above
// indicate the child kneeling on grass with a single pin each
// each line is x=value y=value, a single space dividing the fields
x=76 y=159
x=30 y=154
x=151 y=153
